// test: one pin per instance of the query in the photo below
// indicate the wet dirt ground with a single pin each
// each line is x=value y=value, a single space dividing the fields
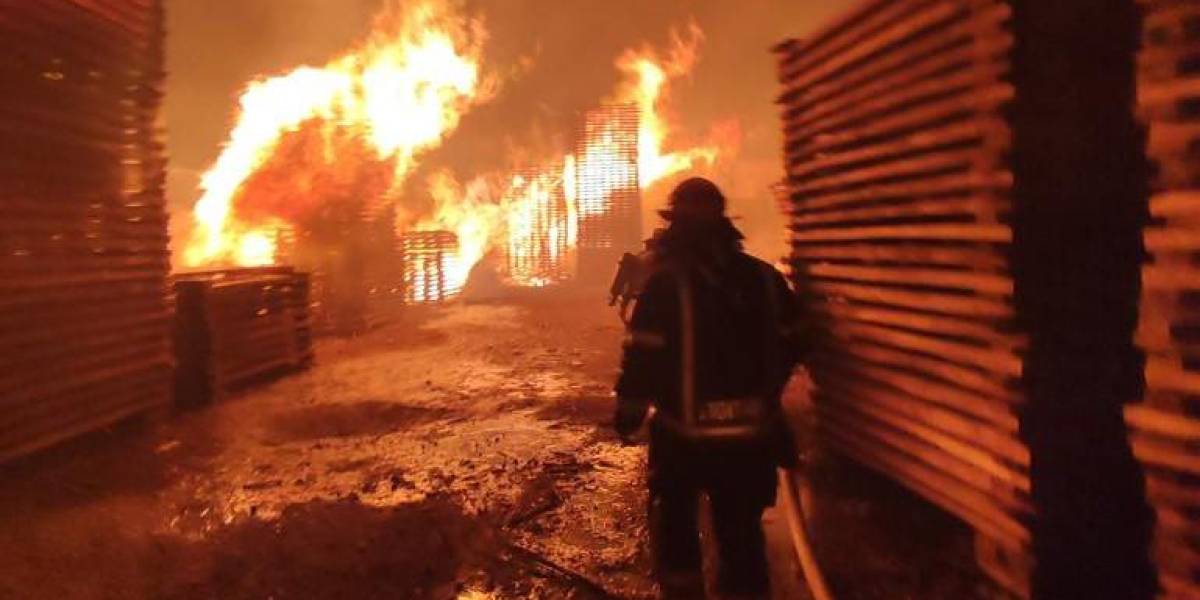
x=462 y=452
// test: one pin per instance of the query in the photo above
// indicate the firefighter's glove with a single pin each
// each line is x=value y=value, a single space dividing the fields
x=629 y=417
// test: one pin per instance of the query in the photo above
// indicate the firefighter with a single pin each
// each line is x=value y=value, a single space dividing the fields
x=712 y=342
x=631 y=276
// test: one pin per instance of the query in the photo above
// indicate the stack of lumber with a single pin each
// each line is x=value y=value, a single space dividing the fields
x=237 y=326
x=898 y=191
x=1165 y=428
x=607 y=189
x=349 y=248
x=966 y=183
x=428 y=257
x=84 y=321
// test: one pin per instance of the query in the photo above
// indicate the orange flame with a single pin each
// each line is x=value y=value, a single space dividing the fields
x=505 y=213
x=473 y=213
x=355 y=128
x=400 y=93
x=649 y=76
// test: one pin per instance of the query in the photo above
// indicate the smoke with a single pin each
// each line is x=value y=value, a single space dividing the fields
x=554 y=59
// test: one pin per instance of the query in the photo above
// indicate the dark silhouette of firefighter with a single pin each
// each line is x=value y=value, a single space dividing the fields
x=631 y=276
x=712 y=342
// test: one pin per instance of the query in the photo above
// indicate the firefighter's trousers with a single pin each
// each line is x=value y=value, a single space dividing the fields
x=740 y=483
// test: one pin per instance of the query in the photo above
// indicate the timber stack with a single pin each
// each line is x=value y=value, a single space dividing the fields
x=927 y=152
x=84 y=322
x=238 y=326
x=1165 y=428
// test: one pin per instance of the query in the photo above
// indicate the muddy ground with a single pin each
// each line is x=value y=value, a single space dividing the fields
x=463 y=452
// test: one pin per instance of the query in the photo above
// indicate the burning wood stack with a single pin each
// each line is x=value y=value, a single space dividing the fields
x=1165 y=428
x=83 y=238
x=427 y=256
x=235 y=326
x=350 y=249
x=539 y=230
x=607 y=190
x=971 y=255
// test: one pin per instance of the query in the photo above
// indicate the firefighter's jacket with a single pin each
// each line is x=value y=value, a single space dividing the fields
x=711 y=345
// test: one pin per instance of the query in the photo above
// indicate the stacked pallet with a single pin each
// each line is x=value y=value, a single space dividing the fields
x=349 y=247
x=428 y=258
x=83 y=239
x=237 y=326
x=1165 y=429
x=538 y=227
x=384 y=271
x=607 y=191
x=898 y=191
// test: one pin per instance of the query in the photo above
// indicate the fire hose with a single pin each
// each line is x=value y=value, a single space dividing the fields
x=794 y=508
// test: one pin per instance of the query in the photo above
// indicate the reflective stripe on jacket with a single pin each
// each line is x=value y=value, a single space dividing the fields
x=711 y=348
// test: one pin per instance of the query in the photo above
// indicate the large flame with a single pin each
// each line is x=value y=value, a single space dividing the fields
x=510 y=215
x=649 y=74
x=350 y=133
x=473 y=212
x=398 y=94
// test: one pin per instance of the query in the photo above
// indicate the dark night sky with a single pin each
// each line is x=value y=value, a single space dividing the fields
x=216 y=46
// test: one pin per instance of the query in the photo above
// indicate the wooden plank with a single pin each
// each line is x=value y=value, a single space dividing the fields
x=972 y=507
x=1167 y=375
x=965 y=232
x=1170 y=277
x=916 y=254
x=1160 y=454
x=920 y=19
x=978 y=103
x=1173 y=204
x=842 y=34
x=971 y=281
x=981 y=307
x=977 y=41
x=993 y=182
x=986 y=140
x=1162 y=423
x=875 y=433
x=956 y=53
x=940 y=325
x=882 y=104
x=979 y=207
x=906 y=168
x=998 y=414
x=1000 y=362
x=987 y=464
x=987 y=385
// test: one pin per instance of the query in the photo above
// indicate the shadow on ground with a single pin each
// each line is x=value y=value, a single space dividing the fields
x=329 y=550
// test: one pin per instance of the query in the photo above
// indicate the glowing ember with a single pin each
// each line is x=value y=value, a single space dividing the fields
x=400 y=93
